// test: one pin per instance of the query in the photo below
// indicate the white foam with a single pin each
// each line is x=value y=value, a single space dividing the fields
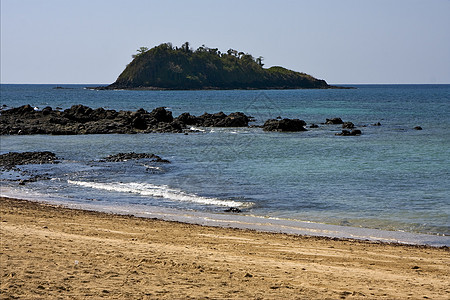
x=153 y=167
x=193 y=128
x=158 y=191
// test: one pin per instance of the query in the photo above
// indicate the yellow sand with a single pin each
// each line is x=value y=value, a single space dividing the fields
x=50 y=252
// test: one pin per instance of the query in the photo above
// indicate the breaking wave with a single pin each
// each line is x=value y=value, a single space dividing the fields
x=158 y=191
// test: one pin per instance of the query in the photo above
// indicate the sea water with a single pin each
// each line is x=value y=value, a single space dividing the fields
x=392 y=178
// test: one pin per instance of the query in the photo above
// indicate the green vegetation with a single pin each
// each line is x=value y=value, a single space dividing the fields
x=168 y=67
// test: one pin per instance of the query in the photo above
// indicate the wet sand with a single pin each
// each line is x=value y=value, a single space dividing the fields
x=51 y=252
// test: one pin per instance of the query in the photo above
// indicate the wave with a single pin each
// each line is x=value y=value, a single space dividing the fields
x=158 y=191
x=193 y=128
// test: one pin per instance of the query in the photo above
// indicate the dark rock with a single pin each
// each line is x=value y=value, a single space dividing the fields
x=62 y=88
x=284 y=125
x=133 y=156
x=188 y=119
x=418 y=128
x=233 y=210
x=236 y=119
x=334 y=121
x=220 y=119
x=79 y=113
x=376 y=124
x=160 y=114
x=10 y=160
x=139 y=122
x=47 y=110
x=348 y=125
x=313 y=126
x=350 y=133
x=22 y=110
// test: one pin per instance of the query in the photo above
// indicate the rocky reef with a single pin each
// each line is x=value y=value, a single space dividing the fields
x=134 y=156
x=80 y=119
x=12 y=159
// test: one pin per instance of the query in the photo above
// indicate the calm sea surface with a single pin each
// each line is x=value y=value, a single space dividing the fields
x=392 y=177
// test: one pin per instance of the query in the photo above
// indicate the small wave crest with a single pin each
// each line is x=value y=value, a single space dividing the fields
x=158 y=191
x=193 y=128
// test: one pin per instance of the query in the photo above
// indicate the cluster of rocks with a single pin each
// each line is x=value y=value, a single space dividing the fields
x=132 y=156
x=292 y=125
x=10 y=160
x=349 y=133
x=80 y=119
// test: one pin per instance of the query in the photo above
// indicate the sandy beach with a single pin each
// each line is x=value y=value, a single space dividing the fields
x=52 y=252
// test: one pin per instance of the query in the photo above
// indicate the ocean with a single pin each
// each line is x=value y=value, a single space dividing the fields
x=391 y=183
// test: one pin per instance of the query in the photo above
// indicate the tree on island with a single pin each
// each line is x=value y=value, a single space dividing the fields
x=140 y=51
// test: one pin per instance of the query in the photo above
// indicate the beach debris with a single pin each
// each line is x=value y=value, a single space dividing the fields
x=248 y=275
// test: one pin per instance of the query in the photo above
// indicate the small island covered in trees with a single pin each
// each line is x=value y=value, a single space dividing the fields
x=182 y=68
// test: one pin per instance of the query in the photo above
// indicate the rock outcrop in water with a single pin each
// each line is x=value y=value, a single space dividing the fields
x=132 y=156
x=334 y=121
x=80 y=119
x=12 y=159
x=284 y=125
x=354 y=132
x=168 y=67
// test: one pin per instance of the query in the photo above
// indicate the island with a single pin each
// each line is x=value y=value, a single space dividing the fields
x=166 y=67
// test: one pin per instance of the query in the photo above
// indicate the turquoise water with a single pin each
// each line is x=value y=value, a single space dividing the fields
x=392 y=177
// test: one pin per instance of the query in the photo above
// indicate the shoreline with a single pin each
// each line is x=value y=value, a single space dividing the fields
x=154 y=88
x=247 y=222
x=54 y=251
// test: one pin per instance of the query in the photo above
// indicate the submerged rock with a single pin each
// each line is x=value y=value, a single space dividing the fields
x=233 y=210
x=131 y=156
x=350 y=133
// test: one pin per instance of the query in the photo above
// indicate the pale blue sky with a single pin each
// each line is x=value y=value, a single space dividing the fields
x=346 y=41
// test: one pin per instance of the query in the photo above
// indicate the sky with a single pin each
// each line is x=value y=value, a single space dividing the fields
x=342 y=42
